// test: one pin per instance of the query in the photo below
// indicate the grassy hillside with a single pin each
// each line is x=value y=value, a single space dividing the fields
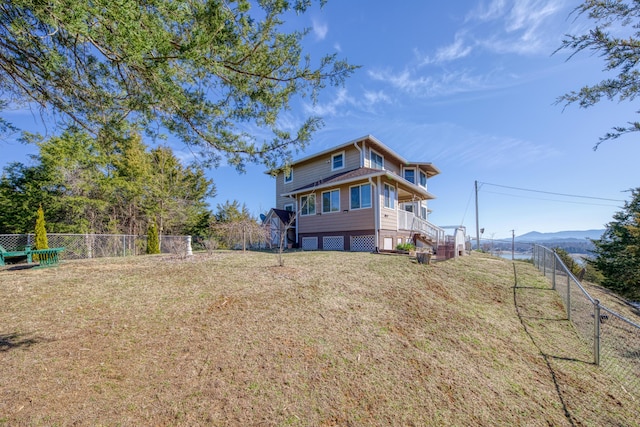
x=329 y=339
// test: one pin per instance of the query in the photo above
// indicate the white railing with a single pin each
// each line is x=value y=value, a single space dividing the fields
x=408 y=221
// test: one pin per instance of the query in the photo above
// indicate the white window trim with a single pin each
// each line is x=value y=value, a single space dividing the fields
x=420 y=174
x=344 y=160
x=290 y=180
x=415 y=177
x=292 y=205
x=322 y=198
x=409 y=204
x=371 y=150
x=315 y=205
x=395 y=197
x=370 y=197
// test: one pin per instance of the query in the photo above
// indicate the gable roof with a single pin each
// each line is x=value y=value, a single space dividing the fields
x=285 y=216
x=378 y=145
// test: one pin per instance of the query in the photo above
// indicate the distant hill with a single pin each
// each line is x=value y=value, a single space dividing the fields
x=535 y=236
x=576 y=241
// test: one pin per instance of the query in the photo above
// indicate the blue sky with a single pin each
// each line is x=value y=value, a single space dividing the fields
x=469 y=86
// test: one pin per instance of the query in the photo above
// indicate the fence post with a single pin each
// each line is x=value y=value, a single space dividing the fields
x=568 y=294
x=87 y=242
x=544 y=262
x=596 y=333
x=189 y=250
x=555 y=256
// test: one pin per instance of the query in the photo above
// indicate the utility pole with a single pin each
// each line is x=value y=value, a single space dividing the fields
x=513 y=244
x=477 y=221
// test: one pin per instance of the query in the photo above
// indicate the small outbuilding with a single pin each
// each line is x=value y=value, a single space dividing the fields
x=281 y=227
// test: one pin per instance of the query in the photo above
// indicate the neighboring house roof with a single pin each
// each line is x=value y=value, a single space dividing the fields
x=428 y=167
x=358 y=175
x=285 y=216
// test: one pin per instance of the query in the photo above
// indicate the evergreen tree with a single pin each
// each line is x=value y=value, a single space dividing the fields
x=618 y=251
x=566 y=259
x=90 y=187
x=615 y=37
x=232 y=212
x=153 y=240
x=176 y=194
x=200 y=69
x=20 y=196
x=41 y=232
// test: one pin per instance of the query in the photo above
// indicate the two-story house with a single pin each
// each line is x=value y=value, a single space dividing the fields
x=357 y=196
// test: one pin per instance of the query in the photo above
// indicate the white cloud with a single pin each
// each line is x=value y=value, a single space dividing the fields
x=373 y=98
x=330 y=108
x=320 y=29
x=496 y=27
x=529 y=15
x=468 y=147
x=429 y=86
x=519 y=27
x=483 y=12
x=456 y=50
x=342 y=101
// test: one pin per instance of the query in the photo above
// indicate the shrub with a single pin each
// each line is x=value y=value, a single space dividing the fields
x=153 y=240
x=41 y=233
x=405 y=247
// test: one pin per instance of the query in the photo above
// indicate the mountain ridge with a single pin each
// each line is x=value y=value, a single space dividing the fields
x=535 y=236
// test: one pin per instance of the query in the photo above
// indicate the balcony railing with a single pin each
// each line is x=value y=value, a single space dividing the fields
x=408 y=221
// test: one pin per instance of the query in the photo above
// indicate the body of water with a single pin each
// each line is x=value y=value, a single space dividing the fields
x=516 y=255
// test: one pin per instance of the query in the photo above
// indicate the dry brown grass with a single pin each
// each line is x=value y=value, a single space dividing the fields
x=329 y=339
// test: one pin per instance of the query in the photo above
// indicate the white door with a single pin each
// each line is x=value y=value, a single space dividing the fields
x=387 y=243
x=275 y=231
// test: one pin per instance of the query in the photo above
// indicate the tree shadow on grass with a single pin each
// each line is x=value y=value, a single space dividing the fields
x=21 y=266
x=15 y=340
x=545 y=356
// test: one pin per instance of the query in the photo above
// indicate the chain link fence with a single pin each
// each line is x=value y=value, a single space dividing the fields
x=615 y=340
x=80 y=246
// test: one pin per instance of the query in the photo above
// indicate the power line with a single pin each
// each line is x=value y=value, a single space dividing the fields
x=550 y=200
x=467 y=207
x=549 y=192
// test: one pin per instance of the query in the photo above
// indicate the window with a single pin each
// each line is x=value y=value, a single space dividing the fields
x=331 y=201
x=410 y=175
x=423 y=179
x=337 y=161
x=361 y=196
x=308 y=205
x=289 y=207
x=408 y=207
x=377 y=161
x=389 y=196
x=288 y=176
x=423 y=212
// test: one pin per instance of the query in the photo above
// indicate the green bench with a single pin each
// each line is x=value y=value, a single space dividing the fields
x=45 y=257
